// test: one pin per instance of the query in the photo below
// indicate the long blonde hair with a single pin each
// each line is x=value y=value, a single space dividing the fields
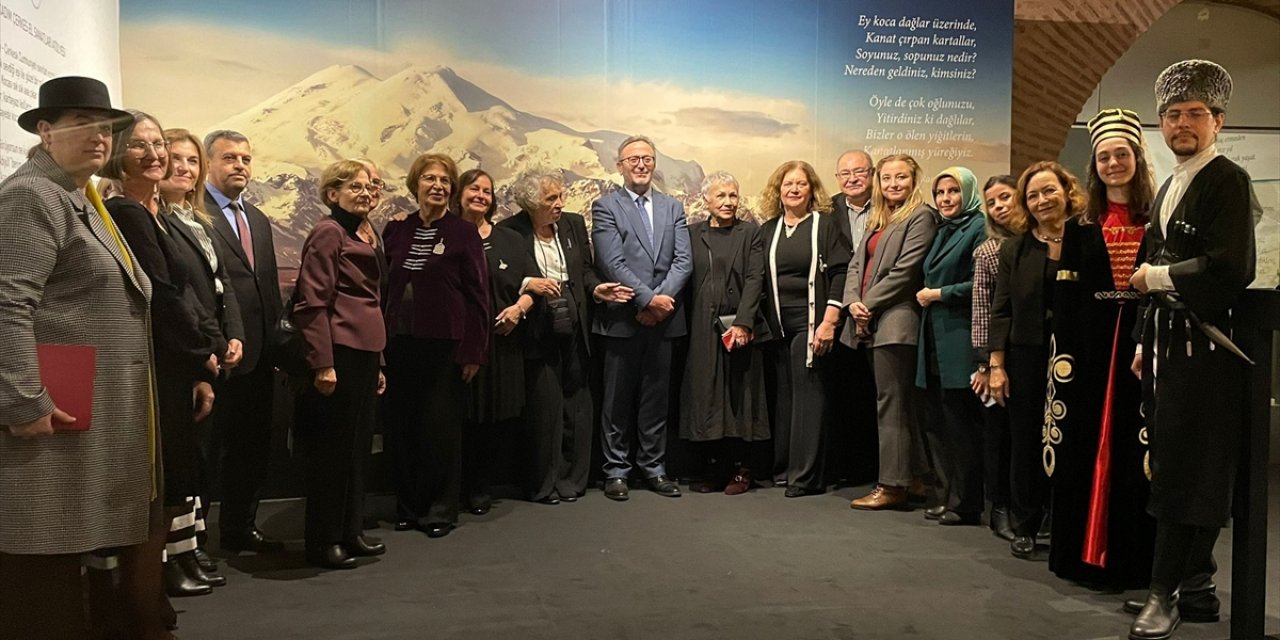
x=771 y=202
x=193 y=199
x=881 y=216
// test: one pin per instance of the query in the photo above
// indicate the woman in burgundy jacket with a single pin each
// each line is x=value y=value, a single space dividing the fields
x=340 y=316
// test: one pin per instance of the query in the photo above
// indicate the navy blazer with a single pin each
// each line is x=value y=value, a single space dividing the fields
x=624 y=254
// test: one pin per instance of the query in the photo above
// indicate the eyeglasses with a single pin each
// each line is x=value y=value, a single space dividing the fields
x=1175 y=116
x=357 y=188
x=376 y=185
x=635 y=160
x=140 y=147
x=856 y=173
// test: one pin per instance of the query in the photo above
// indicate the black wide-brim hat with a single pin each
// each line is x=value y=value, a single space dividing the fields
x=74 y=92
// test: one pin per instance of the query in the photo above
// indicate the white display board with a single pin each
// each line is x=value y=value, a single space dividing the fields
x=42 y=39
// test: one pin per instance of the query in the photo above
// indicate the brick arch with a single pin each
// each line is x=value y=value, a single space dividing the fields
x=1061 y=50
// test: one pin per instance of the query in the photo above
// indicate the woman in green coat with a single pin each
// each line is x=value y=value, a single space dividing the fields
x=953 y=427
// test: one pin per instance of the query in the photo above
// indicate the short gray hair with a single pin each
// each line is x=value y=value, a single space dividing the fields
x=222 y=134
x=527 y=188
x=871 y=162
x=631 y=139
x=718 y=177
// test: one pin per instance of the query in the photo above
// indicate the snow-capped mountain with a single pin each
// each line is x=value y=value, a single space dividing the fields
x=344 y=112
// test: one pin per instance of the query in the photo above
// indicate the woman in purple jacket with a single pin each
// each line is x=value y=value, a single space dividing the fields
x=437 y=313
x=339 y=314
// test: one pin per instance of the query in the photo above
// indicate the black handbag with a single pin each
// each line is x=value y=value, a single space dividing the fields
x=288 y=348
x=561 y=316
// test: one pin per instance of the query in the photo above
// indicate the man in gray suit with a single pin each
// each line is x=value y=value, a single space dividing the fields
x=641 y=241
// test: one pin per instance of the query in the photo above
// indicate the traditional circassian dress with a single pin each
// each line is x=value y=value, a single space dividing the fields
x=1094 y=443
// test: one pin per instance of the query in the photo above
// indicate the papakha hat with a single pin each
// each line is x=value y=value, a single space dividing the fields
x=1192 y=80
x=74 y=92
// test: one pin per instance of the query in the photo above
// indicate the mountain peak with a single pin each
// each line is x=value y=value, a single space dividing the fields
x=470 y=95
x=337 y=72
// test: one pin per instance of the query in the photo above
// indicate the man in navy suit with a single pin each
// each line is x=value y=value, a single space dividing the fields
x=641 y=241
x=242 y=417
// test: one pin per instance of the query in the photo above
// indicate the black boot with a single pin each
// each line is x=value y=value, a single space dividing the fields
x=1158 y=618
x=1000 y=523
x=191 y=566
x=206 y=561
x=179 y=585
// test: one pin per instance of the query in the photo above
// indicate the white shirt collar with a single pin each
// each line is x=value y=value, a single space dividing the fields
x=1194 y=164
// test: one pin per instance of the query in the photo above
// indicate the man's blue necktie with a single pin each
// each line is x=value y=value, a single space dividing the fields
x=644 y=215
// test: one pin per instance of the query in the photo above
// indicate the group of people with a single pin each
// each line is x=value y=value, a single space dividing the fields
x=1004 y=339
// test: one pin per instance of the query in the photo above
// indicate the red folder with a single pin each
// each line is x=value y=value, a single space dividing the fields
x=67 y=372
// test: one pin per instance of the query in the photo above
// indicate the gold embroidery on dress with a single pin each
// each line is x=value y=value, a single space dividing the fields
x=1146 y=443
x=1061 y=369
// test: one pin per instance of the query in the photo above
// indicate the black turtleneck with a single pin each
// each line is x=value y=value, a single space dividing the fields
x=348 y=220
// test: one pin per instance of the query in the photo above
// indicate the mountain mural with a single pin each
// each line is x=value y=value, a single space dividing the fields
x=344 y=111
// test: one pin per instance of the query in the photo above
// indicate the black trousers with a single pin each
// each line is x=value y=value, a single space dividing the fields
x=242 y=445
x=995 y=457
x=637 y=390
x=558 y=419
x=1028 y=485
x=799 y=432
x=337 y=447
x=851 y=418
x=954 y=432
x=425 y=411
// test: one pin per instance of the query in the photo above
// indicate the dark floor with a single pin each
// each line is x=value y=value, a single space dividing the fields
x=698 y=567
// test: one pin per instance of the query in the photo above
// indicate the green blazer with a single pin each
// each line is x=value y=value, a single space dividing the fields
x=949 y=266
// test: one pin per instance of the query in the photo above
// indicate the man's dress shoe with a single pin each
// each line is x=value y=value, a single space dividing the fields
x=404 y=525
x=361 y=548
x=331 y=557
x=616 y=489
x=438 y=529
x=1023 y=547
x=664 y=486
x=797 y=491
x=551 y=499
x=933 y=513
x=251 y=540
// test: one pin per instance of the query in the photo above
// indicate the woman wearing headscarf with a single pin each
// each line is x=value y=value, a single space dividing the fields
x=723 y=397
x=188 y=342
x=944 y=364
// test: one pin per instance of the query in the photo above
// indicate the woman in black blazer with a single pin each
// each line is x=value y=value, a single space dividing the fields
x=498 y=391
x=186 y=339
x=1038 y=278
x=183 y=207
x=806 y=257
x=558 y=411
x=722 y=403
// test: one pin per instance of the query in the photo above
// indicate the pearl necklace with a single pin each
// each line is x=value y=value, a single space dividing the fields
x=1044 y=238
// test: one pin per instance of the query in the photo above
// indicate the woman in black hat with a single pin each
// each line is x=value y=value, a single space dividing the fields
x=74 y=483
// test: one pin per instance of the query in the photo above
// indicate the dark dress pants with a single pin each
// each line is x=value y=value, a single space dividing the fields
x=995 y=457
x=426 y=408
x=902 y=453
x=637 y=376
x=799 y=432
x=954 y=430
x=1028 y=485
x=242 y=442
x=337 y=446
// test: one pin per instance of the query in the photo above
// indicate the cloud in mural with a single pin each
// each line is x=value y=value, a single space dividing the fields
x=713 y=120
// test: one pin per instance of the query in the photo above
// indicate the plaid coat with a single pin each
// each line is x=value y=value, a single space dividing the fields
x=63 y=280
